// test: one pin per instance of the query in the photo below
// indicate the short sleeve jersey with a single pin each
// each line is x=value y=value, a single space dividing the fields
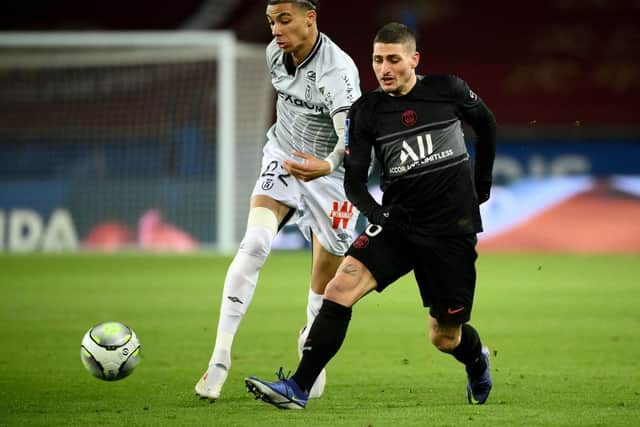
x=325 y=83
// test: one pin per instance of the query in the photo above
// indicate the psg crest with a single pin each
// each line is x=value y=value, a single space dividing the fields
x=409 y=118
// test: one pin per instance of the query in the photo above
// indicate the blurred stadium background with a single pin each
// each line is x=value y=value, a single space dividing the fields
x=102 y=150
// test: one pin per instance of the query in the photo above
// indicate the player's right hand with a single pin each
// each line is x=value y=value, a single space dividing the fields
x=310 y=168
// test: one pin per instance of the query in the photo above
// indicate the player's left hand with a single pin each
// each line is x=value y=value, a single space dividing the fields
x=310 y=168
x=483 y=190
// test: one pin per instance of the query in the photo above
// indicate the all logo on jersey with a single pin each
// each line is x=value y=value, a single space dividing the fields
x=341 y=214
x=409 y=118
x=421 y=152
x=408 y=152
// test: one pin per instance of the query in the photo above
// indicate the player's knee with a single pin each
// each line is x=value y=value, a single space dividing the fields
x=262 y=226
x=351 y=282
x=341 y=289
x=256 y=242
x=443 y=342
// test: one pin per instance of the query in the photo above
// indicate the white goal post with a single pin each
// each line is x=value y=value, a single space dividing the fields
x=242 y=94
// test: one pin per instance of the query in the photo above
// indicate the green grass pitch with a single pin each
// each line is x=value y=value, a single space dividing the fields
x=564 y=332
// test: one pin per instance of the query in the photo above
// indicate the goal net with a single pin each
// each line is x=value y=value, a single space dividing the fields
x=116 y=140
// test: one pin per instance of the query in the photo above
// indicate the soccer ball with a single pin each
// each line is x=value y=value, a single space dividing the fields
x=110 y=351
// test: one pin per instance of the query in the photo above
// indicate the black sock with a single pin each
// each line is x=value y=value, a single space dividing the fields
x=325 y=338
x=469 y=351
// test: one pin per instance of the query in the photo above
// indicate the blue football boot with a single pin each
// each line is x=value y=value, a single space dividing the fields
x=283 y=394
x=478 y=388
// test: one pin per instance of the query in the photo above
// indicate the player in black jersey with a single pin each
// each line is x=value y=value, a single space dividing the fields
x=428 y=219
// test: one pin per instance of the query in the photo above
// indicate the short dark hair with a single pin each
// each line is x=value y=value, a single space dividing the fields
x=304 y=4
x=395 y=32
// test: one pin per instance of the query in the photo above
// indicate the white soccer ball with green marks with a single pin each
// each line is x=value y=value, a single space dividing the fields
x=110 y=351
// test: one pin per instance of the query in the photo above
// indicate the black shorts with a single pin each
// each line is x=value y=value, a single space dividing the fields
x=443 y=266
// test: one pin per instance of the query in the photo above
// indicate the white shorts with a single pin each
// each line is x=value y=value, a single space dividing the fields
x=321 y=205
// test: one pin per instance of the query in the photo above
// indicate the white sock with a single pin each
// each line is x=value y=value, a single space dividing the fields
x=239 y=288
x=314 y=303
x=222 y=352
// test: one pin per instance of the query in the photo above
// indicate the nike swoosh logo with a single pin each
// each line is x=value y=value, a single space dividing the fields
x=457 y=310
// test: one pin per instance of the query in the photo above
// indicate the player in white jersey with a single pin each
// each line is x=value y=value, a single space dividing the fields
x=301 y=177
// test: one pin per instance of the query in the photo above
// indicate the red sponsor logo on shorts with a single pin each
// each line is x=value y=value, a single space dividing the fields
x=361 y=242
x=341 y=214
x=454 y=310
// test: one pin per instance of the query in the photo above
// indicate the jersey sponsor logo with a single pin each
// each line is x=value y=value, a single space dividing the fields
x=307 y=93
x=419 y=154
x=473 y=95
x=300 y=103
x=435 y=156
x=409 y=118
x=407 y=150
x=341 y=213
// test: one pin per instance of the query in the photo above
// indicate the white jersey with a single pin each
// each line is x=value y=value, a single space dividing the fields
x=324 y=83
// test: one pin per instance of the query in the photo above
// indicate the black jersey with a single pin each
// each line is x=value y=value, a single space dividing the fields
x=425 y=167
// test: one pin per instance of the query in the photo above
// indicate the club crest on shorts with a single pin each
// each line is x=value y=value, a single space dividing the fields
x=361 y=242
x=267 y=185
